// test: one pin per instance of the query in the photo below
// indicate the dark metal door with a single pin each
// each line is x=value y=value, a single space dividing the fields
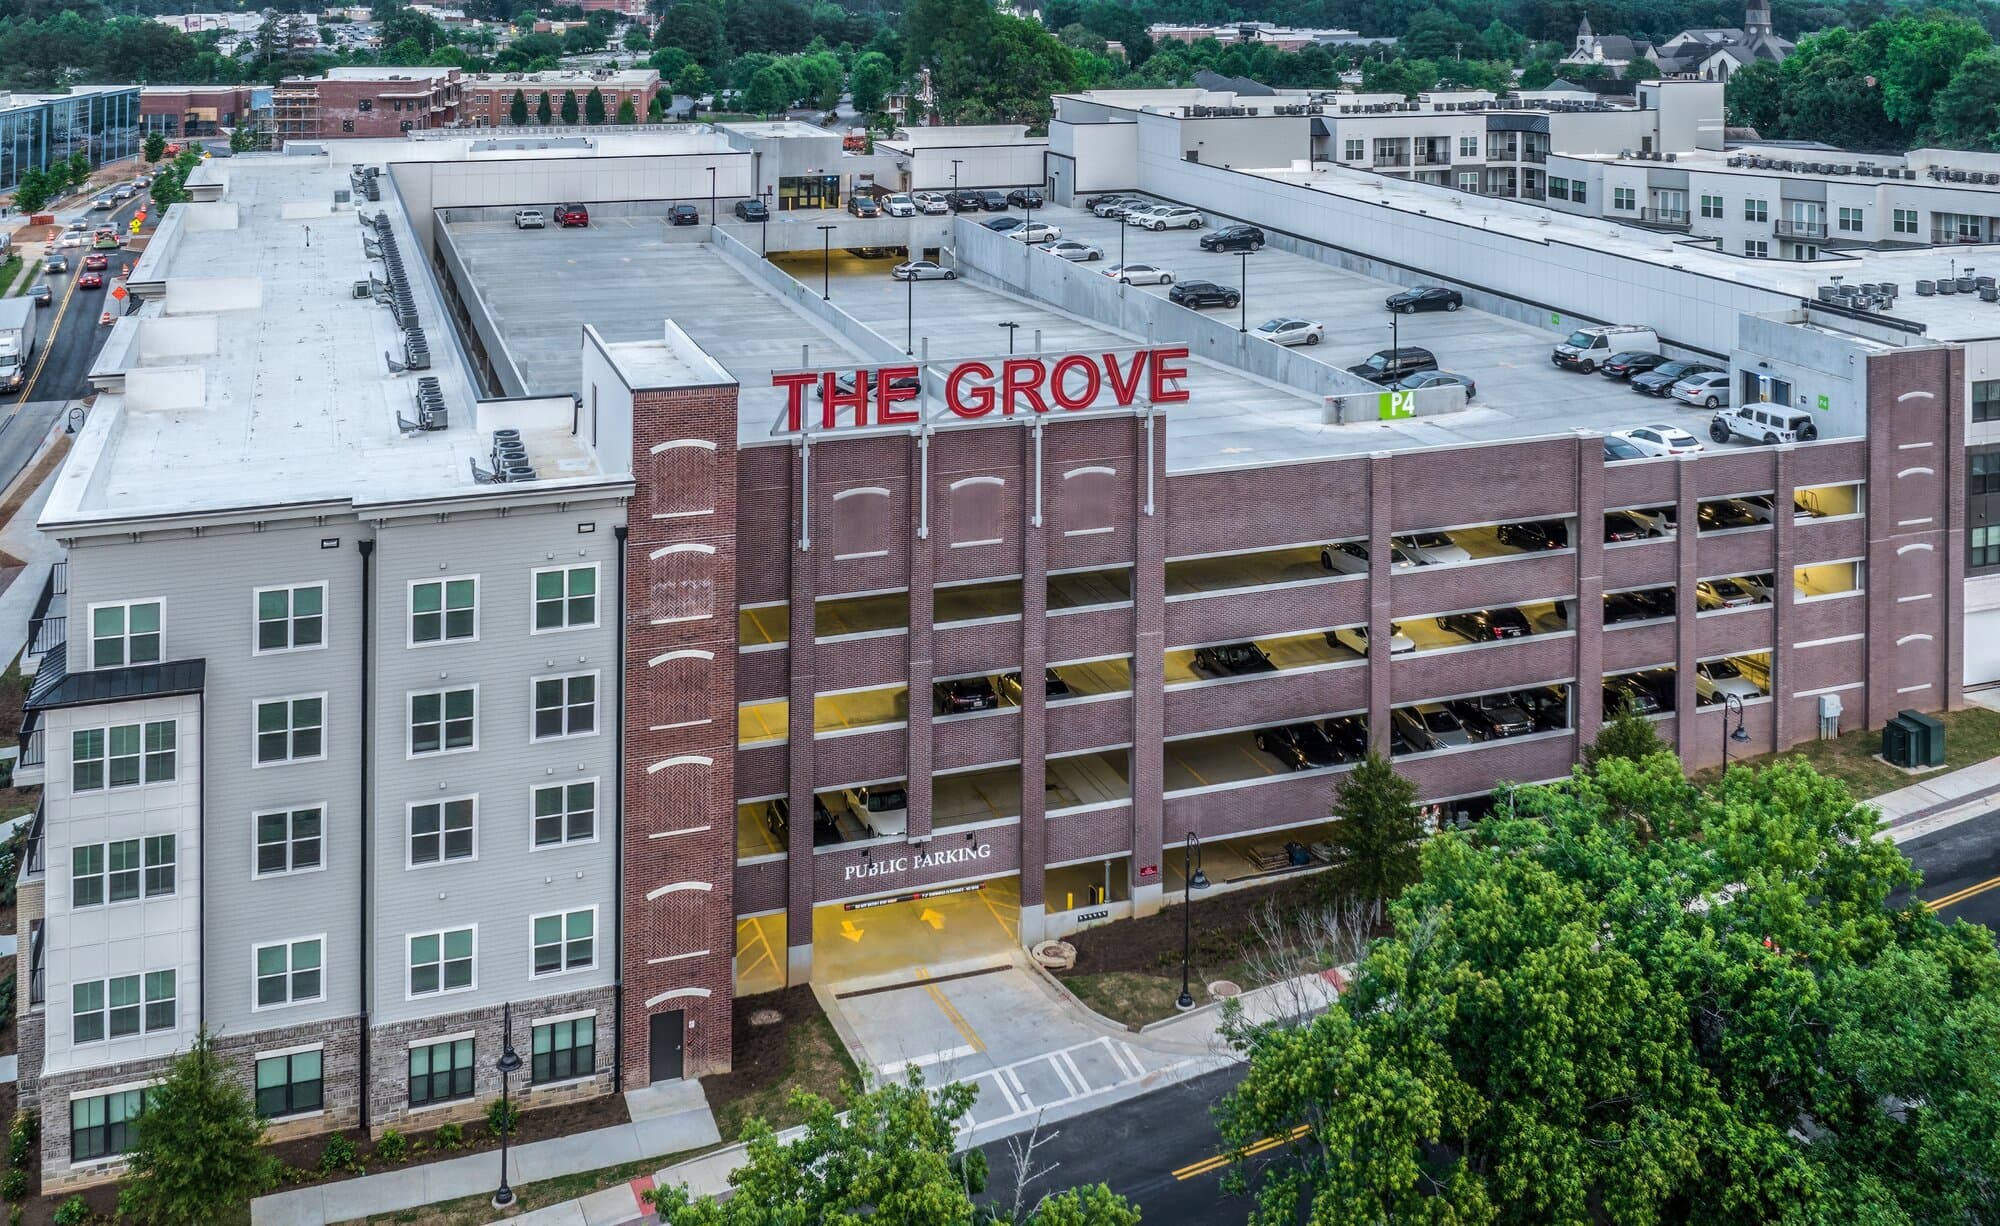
x=667 y=1036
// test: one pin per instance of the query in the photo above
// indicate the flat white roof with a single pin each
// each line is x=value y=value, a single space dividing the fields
x=569 y=77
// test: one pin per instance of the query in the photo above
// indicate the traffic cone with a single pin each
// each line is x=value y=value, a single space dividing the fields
x=104 y=319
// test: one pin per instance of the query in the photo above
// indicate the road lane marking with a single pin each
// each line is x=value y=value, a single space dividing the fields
x=894 y=1068
x=48 y=345
x=1952 y=899
x=952 y=1015
x=1218 y=1161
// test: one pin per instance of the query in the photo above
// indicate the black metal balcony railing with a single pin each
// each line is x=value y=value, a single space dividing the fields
x=1676 y=219
x=31 y=860
x=1432 y=158
x=47 y=635
x=1785 y=228
x=31 y=742
x=1390 y=161
x=1534 y=155
x=37 y=989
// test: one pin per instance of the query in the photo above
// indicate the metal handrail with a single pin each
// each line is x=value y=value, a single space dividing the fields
x=47 y=634
x=32 y=859
x=37 y=989
x=1786 y=228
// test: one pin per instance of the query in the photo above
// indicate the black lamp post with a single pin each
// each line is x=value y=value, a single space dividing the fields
x=1731 y=705
x=910 y=312
x=826 y=263
x=508 y=1064
x=711 y=195
x=1010 y=325
x=1192 y=879
x=1243 y=289
x=1395 y=330
x=764 y=240
x=954 y=179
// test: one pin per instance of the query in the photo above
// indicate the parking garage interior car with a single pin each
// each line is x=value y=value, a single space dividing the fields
x=1717 y=680
x=1355 y=639
x=1291 y=330
x=1628 y=692
x=1724 y=594
x=1492 y=716
x=1351 y=557
x=1386 y=366
x=1426 y=298
x=1661 y=379
x=1486 y=625
x=1198 y=294
x=1232 y=660
x=683 y=215
x=1621 y=607
x=923 y=270
x=1442 y=725
x=1053 y=685
x=1539 y=534
x=963 y=694
x=1433 y=548
x=1233 y=238
x=1300 y=746
x=1722 y=514
x=1631 y=362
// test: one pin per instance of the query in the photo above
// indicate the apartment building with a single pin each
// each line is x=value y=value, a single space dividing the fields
x=489 y=96
x=356 y=102
x=203 y=110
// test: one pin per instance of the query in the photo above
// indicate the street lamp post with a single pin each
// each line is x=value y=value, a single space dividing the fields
x=508 y=1064
x=1011 y=326
x=1192 y=879
x=954 y=180
x=1395 y=330
x=1731 y=705
x=826 y=263
x=910 y=312
x=764 y=240
x=711 y=195
x=1243 y=290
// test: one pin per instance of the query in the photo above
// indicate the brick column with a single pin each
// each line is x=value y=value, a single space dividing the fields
x=799 y=760
x=922 y=657
x=679 y=820
x=1149 y=660
x=1686 y=640
x=1381 y=599
x=1784 y=530
x=1586 y=614
x=1034 y=699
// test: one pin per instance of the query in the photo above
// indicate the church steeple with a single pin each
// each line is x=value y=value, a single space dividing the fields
x=1757 y=18
x=1585 y=40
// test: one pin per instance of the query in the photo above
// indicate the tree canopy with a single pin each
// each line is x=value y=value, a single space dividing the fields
x=1714 y=1015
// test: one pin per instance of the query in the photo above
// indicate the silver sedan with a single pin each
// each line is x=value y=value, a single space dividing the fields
x=923 y=270
x=1287 y=330
x=1070 y=249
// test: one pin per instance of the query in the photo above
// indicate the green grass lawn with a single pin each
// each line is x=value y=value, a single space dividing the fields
x=1970 y=736
x=10 y=271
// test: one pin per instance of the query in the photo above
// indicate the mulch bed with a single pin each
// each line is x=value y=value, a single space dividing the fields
x=1152 y=946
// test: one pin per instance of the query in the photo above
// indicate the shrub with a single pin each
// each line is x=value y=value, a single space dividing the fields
x=21 y=1137
x=450 y=1136
x=393 y=1146
x=503 y=1116
x=338 y=1155
x=14 y=1185
x=15 y=1213
x=72 y=1212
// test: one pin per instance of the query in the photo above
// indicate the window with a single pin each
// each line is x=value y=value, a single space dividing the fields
x=566 y=598
x=291 y=618
x=1985 y=407
x=442 y=721
x=441 y=962
x=565 y=706
x=121 y=871
x=444 y=611
x=122 y=634
x=291 y=730
x=1756 y=210
x=1850 y=219
x=288 y=973
x=565 y=813
x=442 y=830
x=563 y=1050
x=1624 y=198
x=1357 y=151
x=565 y=941
x=288 y=840
x=440 y=1072
x=1711 y=206
x=122 y=756
x=122 y=1006
x=159 y=1000
x=1579 y=191
x=1757 y=248
x=1558 y=188
x=87 y=1012
x=1905 y=221
x=102 y=1127
x=1468 y=181
x=291 y=1084
x=1984 y=547
x=1468 y=146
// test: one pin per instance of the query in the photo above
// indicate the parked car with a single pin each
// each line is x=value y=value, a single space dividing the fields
x=1622 y=607
x=1105 y=198
x=1547 y=705
x=683 y=215
x=1762 y=423
x=1003 y=225
x=1661 y=379
x=1035 y=232
x=993 y=201
x=1536 y=534
x=1407 y=733
x=1111 y=206
x=1386 y=366
x=1490 y=717
x=1025 y=198
x=1233 y=238
x=1174 y=217
x=1657 y=683
x=1232 y=660
x=1432 y=548
x=752 y=210
x=1139 y=274
x=1587 y=348
x=568 y=215
x=1709 y=389
x=1425 y=298
x=899 y=204
x=930 y=203
x=1053 y=686
x=1070 y=249
x=96 y=261
x=863 y=206
x=1616 y=448
x=1349 y=734
x=1725 y=513
x=1355 y=639
x=1486 y=625
x=1718 y=680
x=1140 y=213
x=965 y=694
x=1351 y=557
x=1627 y=691
x=1658 y=520
x=40 y=294
x=1443 y=725
x=1301 y=747
x=90 y=280
x=923 y=270
x=1661 y=440
x=1630 y=362
x=1437 y=378
x=1725 y=594
x=1291 y=330
x=530 y=219
x=883 y=809
x=1624 y=526
x=963 y=201
x=1198 y=294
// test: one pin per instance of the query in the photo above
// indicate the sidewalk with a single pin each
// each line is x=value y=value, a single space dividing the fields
x=1945 y=798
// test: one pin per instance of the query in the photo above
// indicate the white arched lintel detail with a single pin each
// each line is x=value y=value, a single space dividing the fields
x=678 y=887
x=877 y=490
x=962 y=482
x=689 y=547
x=671 y=444
x=1916 y=396
x=677 y=994
x=1913 y=638
x=1901 y=550
x=1911 y=472
x=687 y=653
x=1094 y=469
x=683 y=760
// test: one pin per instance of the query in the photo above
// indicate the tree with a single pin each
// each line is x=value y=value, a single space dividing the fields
x=154 y=148
x=1966 y=113
x=593 y=106
x=693 y=83
x=242 y=139
x=769 y=91
x=79 y=168
x=517 y=109
x=868 y=84
x=198 y=1148
x=695 y=26
x=1377 y=834
x=1628 y=734
x=628 y=113
x=584 y=39
x=636 y=39
x=33 y=191
x=569 y=106
x=1753 y=97
x=542 y=112
x=1921 y=57
x=1623 y=998
x=656 y=108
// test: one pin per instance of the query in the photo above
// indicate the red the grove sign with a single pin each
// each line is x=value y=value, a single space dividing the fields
x=975 y=389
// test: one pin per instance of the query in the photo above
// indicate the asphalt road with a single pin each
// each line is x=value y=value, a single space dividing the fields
x=1160 y=1151
x=1961 y=867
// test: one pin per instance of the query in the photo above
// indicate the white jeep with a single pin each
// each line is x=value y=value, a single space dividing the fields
x=1763 y=423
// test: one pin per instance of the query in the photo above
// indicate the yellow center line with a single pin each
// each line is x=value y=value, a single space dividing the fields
x=1218 y=1161
x=48 y=345
x=952 y=1015
x=1938 y=904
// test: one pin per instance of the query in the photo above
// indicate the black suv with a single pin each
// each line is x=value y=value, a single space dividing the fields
x=1025 y=197
x=752 y=210
x=963 y=202
x=1301 y=747
x=1385 y=366
x=1233 y=238
x=683 y=215
x=1232 y=660
x=1485 y=625
x=1349 y=734
x=1198 y=294
x=993 y=201
x=1541 y=534
x=1492 y=716
x=965 y=694
x=1637 y=606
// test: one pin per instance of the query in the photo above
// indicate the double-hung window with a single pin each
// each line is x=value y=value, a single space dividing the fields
x=565 y=813
x=122 y=634
x=121 y=1006
x=444 y=610
x=289 y=973
x=566 y=598
x=1624 y=198
x=565 y=941
x=291 y=729
x=103 y=1127
x=441 y=961
x=442 y=721
x=565 y=706
x=291 y=1084
x=122 y=871
x=1851 y=220
x=440 y=1072
x=122 y=756
x=1711 y=206
x=1756 y=210
x=290 y=840
x=1904 y=221
x=564 y=1050
x=291 y=618
x=442 y=830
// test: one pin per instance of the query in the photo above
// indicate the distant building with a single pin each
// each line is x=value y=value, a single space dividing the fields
x=203 y=110
x=1715 y=55
x=365 y=102
x=1609 y=51
x=101 y=121
x=489 y=96
x=1281 y=37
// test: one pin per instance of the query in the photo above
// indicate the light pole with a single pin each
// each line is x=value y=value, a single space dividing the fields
x=711 y=195
x=1192 y=879
x=1731 y=705
x=508 y=1064
x=826 y=263
x=954 y=179
x=910 y=312
x=764 y=240
x=1395 y=330
x=1243 y=289
x=1010 y=325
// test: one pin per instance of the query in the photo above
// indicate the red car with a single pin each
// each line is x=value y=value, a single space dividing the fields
x=96 y=263
x=90 y=280
x=572 y=215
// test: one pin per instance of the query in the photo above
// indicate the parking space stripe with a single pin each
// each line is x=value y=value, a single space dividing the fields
x=894 y=1068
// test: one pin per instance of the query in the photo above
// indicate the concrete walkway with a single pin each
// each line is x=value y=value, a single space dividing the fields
x=690 y=1126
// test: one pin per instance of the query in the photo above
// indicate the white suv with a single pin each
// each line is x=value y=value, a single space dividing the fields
x=1763 y=423
x=1173 y=217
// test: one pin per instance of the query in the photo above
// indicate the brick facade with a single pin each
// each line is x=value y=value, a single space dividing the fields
x=340 y=1070
x=389 y=1072
x=54 y=1094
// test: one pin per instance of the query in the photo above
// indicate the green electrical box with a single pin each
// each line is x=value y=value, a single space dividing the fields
x=1929 y=749
x=1898 y=737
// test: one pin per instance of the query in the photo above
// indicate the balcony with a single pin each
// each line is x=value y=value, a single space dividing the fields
x=37 y=980
x=47 y=631
x=1535 y=155
x=1799 y=229
x=1665 y=219
x=1533 y=193
x=32 y=865
x=1392 y=161
x=1431 y=157
x=29 y=768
